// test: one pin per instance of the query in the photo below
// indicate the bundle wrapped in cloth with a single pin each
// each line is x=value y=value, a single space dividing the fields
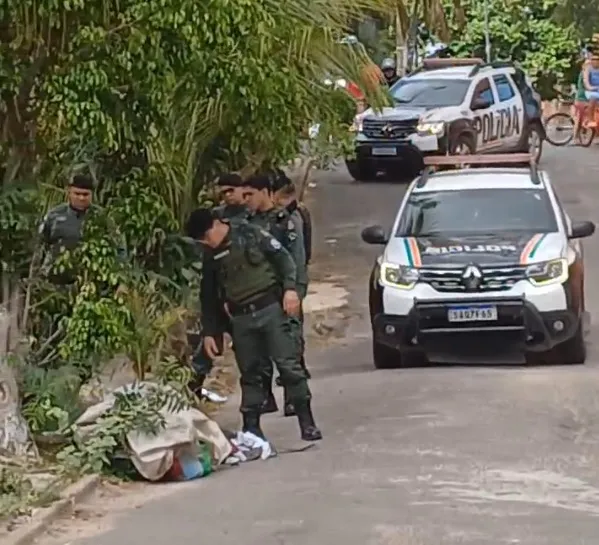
x=189 y=445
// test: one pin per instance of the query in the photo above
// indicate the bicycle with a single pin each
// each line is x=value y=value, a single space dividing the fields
x=564 y=123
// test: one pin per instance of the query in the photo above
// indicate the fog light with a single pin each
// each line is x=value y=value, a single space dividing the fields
x=558 y=325
x=389 y=329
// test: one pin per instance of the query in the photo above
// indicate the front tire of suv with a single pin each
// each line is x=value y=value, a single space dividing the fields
x=385 y=357
x=359 y=171
x=462 y=145
x=574 y=350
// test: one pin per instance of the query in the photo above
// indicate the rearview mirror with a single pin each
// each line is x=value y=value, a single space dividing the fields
x=582 y=229
x=479 y=104
x=375 y=234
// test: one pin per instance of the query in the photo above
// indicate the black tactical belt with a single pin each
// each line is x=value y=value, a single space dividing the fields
x=262 y=301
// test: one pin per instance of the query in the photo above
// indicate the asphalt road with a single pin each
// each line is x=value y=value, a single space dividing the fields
x=429 y=456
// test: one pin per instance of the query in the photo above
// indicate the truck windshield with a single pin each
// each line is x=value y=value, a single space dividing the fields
x=477 y=212
x=436 y=93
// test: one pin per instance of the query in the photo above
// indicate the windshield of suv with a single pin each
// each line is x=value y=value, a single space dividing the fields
x=436 y=93
x=477 y=212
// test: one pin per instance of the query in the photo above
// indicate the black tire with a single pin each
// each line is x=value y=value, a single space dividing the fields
x=465 y=142
x=535 y=130
x=574 y=350
x=566 y=120
x=385 y=357
x=586 y=137
x=359 y=171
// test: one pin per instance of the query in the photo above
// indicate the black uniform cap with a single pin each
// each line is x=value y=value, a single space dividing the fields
x=81 y=181
x=259 y=181
x=281 y=180
x=199 y=223
x=229 y=179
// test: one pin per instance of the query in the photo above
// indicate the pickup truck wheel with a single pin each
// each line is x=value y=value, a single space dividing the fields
x=359 y=171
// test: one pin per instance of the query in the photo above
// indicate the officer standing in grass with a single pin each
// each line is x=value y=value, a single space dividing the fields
x=278 y=222
x=231 y=194
x=62 y=227
x=285 y=196
x=258 y=279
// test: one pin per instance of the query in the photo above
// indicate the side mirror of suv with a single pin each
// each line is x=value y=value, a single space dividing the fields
x=375 y=234
x=582 y=229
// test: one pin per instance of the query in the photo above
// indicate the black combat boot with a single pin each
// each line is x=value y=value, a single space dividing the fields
x=270 y=404
x=251 y=423
x=289 y=410
x=307 y=425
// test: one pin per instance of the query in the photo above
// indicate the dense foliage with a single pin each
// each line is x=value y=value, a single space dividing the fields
x=525 y=32
x=153 y=98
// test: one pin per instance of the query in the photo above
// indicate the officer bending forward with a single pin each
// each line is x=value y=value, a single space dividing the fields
x=258 y=279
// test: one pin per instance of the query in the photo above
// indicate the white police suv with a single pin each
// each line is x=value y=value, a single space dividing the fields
x=449 y=106
x=482 y=265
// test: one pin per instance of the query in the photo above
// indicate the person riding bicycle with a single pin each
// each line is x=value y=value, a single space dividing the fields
x=591 y=85
x=581 y=102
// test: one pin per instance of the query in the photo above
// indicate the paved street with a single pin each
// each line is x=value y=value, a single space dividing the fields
x=429 y=456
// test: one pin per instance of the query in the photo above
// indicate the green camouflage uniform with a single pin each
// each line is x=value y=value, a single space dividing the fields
x=61 y=230
x=288 y=230
x=253 y=268
x=201 y=363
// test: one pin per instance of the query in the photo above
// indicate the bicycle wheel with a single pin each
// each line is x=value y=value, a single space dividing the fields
x=559 y=128
x=586 y=136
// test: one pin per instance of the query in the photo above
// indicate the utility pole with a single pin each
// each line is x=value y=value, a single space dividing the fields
x=399 y=45
x=487 y=33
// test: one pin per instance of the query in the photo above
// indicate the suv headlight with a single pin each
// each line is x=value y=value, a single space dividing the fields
x=398 y=276
x=437 y=128
x=548 y=272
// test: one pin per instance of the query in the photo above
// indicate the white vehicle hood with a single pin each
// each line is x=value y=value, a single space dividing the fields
x=503 y=249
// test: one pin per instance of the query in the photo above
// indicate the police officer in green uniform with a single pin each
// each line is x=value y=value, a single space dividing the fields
x=231 y=193
x=62 y=227
x=284 y=196
x=259 y=281
x=278 y=222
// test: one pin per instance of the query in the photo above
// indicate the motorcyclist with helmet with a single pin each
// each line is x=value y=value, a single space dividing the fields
x=389 y=71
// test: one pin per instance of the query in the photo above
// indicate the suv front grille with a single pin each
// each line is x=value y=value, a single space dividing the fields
x=391 y=130
x=493 y=278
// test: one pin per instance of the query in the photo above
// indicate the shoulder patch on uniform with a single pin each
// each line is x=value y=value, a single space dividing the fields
x=275 y=244
x=290 y=225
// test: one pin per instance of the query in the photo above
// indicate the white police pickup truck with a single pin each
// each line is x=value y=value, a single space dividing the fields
x=482 y=265
x=449 y=106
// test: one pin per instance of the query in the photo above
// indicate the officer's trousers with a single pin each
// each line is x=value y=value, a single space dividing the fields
x=262 y=337
x=297 y=326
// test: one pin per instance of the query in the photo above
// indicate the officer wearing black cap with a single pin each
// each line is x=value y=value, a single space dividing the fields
x=62 y=227
x=232 y=196
x=277 y=221
x=259 y=282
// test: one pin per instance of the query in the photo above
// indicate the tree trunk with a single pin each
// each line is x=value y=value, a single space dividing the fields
x=14 y=433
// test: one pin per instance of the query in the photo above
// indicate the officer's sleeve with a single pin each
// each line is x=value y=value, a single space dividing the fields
x=297 y=250
x=280 y=258
x=210 y=302
x=307 y=230
x=44 y=229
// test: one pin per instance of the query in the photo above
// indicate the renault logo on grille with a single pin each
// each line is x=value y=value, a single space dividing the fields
x=388 y=129
x=472 y=278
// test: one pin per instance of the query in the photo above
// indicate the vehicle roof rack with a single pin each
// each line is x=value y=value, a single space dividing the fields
x=494 y=64
x=428 y=170
x=492 y=159
x=436 y=64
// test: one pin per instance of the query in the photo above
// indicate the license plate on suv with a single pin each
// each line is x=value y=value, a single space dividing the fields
x=385 y=152
x=466 y=313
